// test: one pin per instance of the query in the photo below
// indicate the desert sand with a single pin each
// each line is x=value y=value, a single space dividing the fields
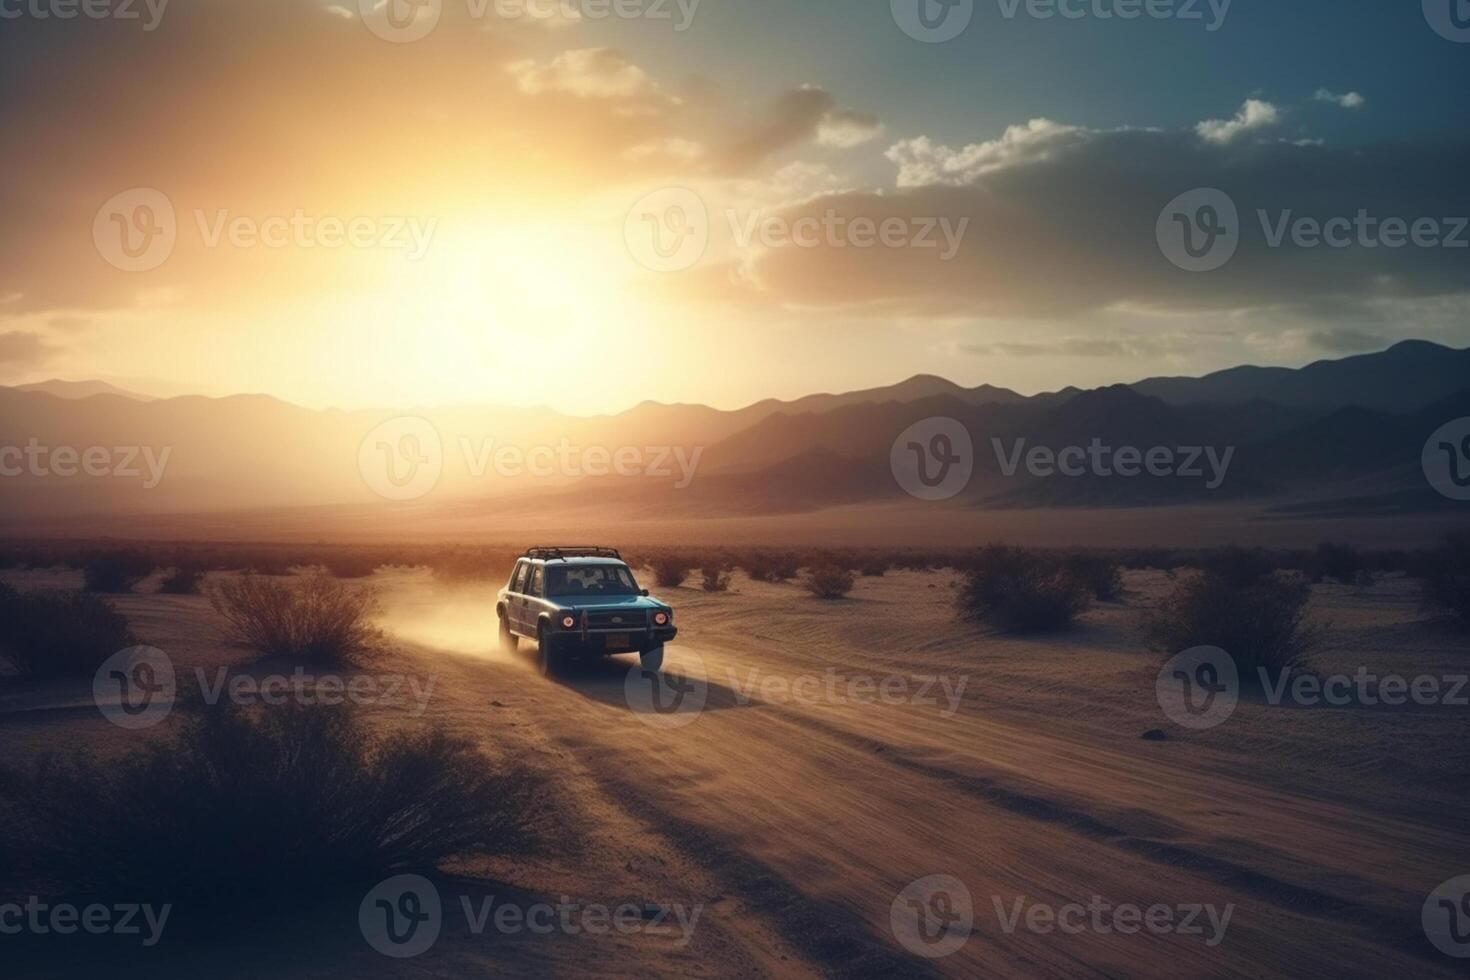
x=793 y=817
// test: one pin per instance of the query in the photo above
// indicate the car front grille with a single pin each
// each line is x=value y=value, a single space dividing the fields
x=623 y=620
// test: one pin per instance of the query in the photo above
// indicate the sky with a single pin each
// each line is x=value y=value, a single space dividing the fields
x=591 y=203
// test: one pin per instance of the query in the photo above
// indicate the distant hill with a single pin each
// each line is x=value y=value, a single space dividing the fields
x=1338 y=436
x=81 y=389
x=1406 y=377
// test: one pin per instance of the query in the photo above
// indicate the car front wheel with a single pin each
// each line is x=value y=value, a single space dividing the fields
x=652 y=659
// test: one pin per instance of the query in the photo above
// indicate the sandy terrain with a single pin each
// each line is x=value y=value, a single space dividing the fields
x=793 y=816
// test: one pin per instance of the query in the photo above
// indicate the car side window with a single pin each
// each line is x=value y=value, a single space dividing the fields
x=537 y=575
x=518 y=578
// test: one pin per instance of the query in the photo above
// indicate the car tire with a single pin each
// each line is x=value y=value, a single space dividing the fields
x=652 y=659
x=547 y=659
x=509 y=642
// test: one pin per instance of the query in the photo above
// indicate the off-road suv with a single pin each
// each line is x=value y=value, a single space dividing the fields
x=581 y=603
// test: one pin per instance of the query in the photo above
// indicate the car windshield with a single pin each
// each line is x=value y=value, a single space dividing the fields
x=589 y=580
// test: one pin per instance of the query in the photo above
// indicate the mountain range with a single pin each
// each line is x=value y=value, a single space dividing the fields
x=1335 y=437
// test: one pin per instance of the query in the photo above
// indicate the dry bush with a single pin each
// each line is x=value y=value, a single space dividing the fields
x=239 y=809
x=669 y=570
x=315 y=619
x=770 y=566
x=1020 y=591
x=117 y=572
x=1259 y=621
x=59 y=634
x=829 y=582
x=1341 y=562
x=1102 y=575
x=714 y=578
x=1445 y=581
x=183 y=580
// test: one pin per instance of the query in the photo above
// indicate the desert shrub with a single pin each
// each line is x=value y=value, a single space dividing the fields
x=1102 y=576
x=873 y=566
x=769 y=566
x=829 y=581
x=1260 y=622
x=1336 y=561
x=315 y=619
x=351 y=566
x=1445 y=581
x=240 y=806
x=117 y=572
x=670 y=570
x=714 y=578
x=1020 y=591
x=60 y=634
x=182 y=580
x=1238 y=567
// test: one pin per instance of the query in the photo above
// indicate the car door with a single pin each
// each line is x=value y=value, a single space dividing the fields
x=515 y=600
x=534 y=591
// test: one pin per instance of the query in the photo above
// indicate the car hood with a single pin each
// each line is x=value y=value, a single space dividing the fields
x=638 y=602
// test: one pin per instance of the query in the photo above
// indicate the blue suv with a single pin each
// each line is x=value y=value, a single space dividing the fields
x=580 y=603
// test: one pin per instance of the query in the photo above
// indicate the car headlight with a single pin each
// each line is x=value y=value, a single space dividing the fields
x=569 y=621
x=660 y=619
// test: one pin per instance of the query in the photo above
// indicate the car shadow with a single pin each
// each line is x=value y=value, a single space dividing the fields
x=606 y=680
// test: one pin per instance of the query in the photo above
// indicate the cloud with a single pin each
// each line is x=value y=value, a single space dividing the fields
x=1253 y=115
x=1348 y=100
x=796 y=117
x=844 y=129
x=1061 y=223
x=1071 y=347
x=921 y=162
x=587 y=73
x=20 y=348
x=1345 y=340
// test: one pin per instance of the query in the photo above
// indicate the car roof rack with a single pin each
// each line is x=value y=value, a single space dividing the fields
x=564 y=552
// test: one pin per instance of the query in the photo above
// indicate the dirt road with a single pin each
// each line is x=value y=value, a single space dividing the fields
x=797 y=807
